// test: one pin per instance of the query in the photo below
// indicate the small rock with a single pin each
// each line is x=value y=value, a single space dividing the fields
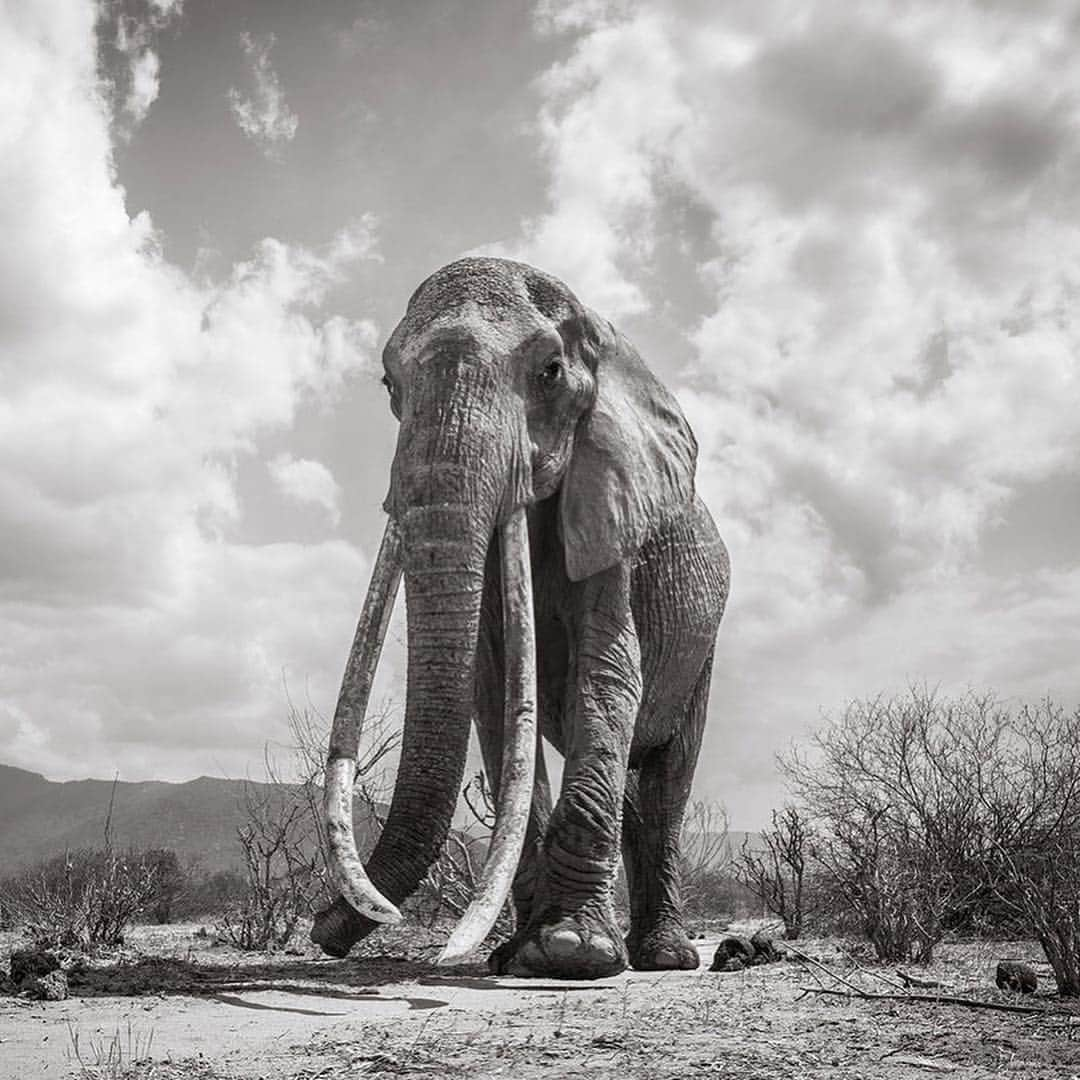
x=31 y=963
x=51 y=987
x=1016 y=976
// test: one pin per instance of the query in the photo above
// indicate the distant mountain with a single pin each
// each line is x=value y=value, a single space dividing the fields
x=198 y=819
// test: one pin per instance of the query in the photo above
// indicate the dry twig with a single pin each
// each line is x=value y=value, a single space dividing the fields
x=922 y=984
x=824 y=967
x=937 y=999
x=943 y=999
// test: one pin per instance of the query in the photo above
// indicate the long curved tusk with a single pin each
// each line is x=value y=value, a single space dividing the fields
x=345 y=865
x=519 y=746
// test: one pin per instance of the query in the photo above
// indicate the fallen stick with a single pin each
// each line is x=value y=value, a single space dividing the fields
x=922 y=984
x=882 y=978
x=937 y=999
x=824 y=967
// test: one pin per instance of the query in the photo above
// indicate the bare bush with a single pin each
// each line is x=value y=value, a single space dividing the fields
x=283 y=871
x=283 y=839
x=171 y=880
x=1030 y=792
x=84 y=899
x=777 y=872
x=705 y=860
x=899 y=830
x=929 y=809
x=372 y=783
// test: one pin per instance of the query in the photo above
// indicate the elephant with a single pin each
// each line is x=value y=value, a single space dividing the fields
x=563 y=580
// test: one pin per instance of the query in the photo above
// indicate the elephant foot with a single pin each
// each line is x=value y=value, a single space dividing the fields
x=666 y=948
x=339 y=927
x=578 y=946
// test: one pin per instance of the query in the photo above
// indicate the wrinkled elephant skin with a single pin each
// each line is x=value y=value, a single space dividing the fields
x=510 y=394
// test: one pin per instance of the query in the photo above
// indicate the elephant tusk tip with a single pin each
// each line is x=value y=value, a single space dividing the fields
x=386 y=913
x=453 y=954
x=366 y=900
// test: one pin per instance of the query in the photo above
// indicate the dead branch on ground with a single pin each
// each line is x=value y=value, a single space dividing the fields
x=937 y=999
x=921 y=984
x=852 y=990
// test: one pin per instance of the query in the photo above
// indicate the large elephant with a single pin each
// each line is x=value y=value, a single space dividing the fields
x=557 y=562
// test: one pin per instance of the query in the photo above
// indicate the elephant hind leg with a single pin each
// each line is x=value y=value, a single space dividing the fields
x=653 y=807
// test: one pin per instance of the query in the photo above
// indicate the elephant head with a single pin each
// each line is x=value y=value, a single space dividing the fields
x=508 y=392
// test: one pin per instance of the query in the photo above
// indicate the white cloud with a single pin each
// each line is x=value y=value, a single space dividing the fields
x=137 y=27
x=145 y=69
x=307 y=481
x=609 y=110
x=137 y=628
x=264 y=115
x=891 y=350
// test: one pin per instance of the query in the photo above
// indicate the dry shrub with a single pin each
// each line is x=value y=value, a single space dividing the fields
x=84 y=899
x=776 y=872
x=934 y=813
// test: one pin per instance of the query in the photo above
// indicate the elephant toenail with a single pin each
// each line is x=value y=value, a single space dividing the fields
x=530 y=953
x=563 y=942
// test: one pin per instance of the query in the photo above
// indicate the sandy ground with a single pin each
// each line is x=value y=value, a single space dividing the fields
x=192 y=1011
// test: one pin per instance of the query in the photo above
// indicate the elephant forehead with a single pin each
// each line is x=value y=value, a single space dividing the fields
x=498 y=286
x=485 y=306
x=491 y=283
x=469 y=330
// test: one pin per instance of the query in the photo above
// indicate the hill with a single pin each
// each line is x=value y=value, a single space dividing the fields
x=197 y=819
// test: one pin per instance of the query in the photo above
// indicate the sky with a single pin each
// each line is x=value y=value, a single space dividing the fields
x=846 y=236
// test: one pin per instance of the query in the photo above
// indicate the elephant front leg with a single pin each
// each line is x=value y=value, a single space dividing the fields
x=572 y=932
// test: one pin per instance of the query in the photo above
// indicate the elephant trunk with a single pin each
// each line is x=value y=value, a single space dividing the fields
x=518 y=764
x=444 y=538
x=444 y=582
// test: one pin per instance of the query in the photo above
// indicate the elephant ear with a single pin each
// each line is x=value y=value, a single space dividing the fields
x=632 y=467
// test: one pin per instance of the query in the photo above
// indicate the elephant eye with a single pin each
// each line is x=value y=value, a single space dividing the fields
x=551 y=372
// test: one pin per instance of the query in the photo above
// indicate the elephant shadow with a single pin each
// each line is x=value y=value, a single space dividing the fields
x=489 y=982
x=353 y=980
x=344 y=980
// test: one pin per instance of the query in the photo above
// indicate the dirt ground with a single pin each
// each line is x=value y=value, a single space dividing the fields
x=174 y=1005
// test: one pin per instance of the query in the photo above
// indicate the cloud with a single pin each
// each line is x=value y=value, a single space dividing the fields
x=139 y=628
x=264 y=115
x=887 y=355
x=608 y=111
x=137 y=26
x=307 y=481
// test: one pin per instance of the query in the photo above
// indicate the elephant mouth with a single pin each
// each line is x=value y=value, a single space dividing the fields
x=549 y=466
x=519 y=743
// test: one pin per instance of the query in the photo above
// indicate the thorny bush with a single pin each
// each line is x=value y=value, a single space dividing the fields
x=929 y=809
x=85 y=899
